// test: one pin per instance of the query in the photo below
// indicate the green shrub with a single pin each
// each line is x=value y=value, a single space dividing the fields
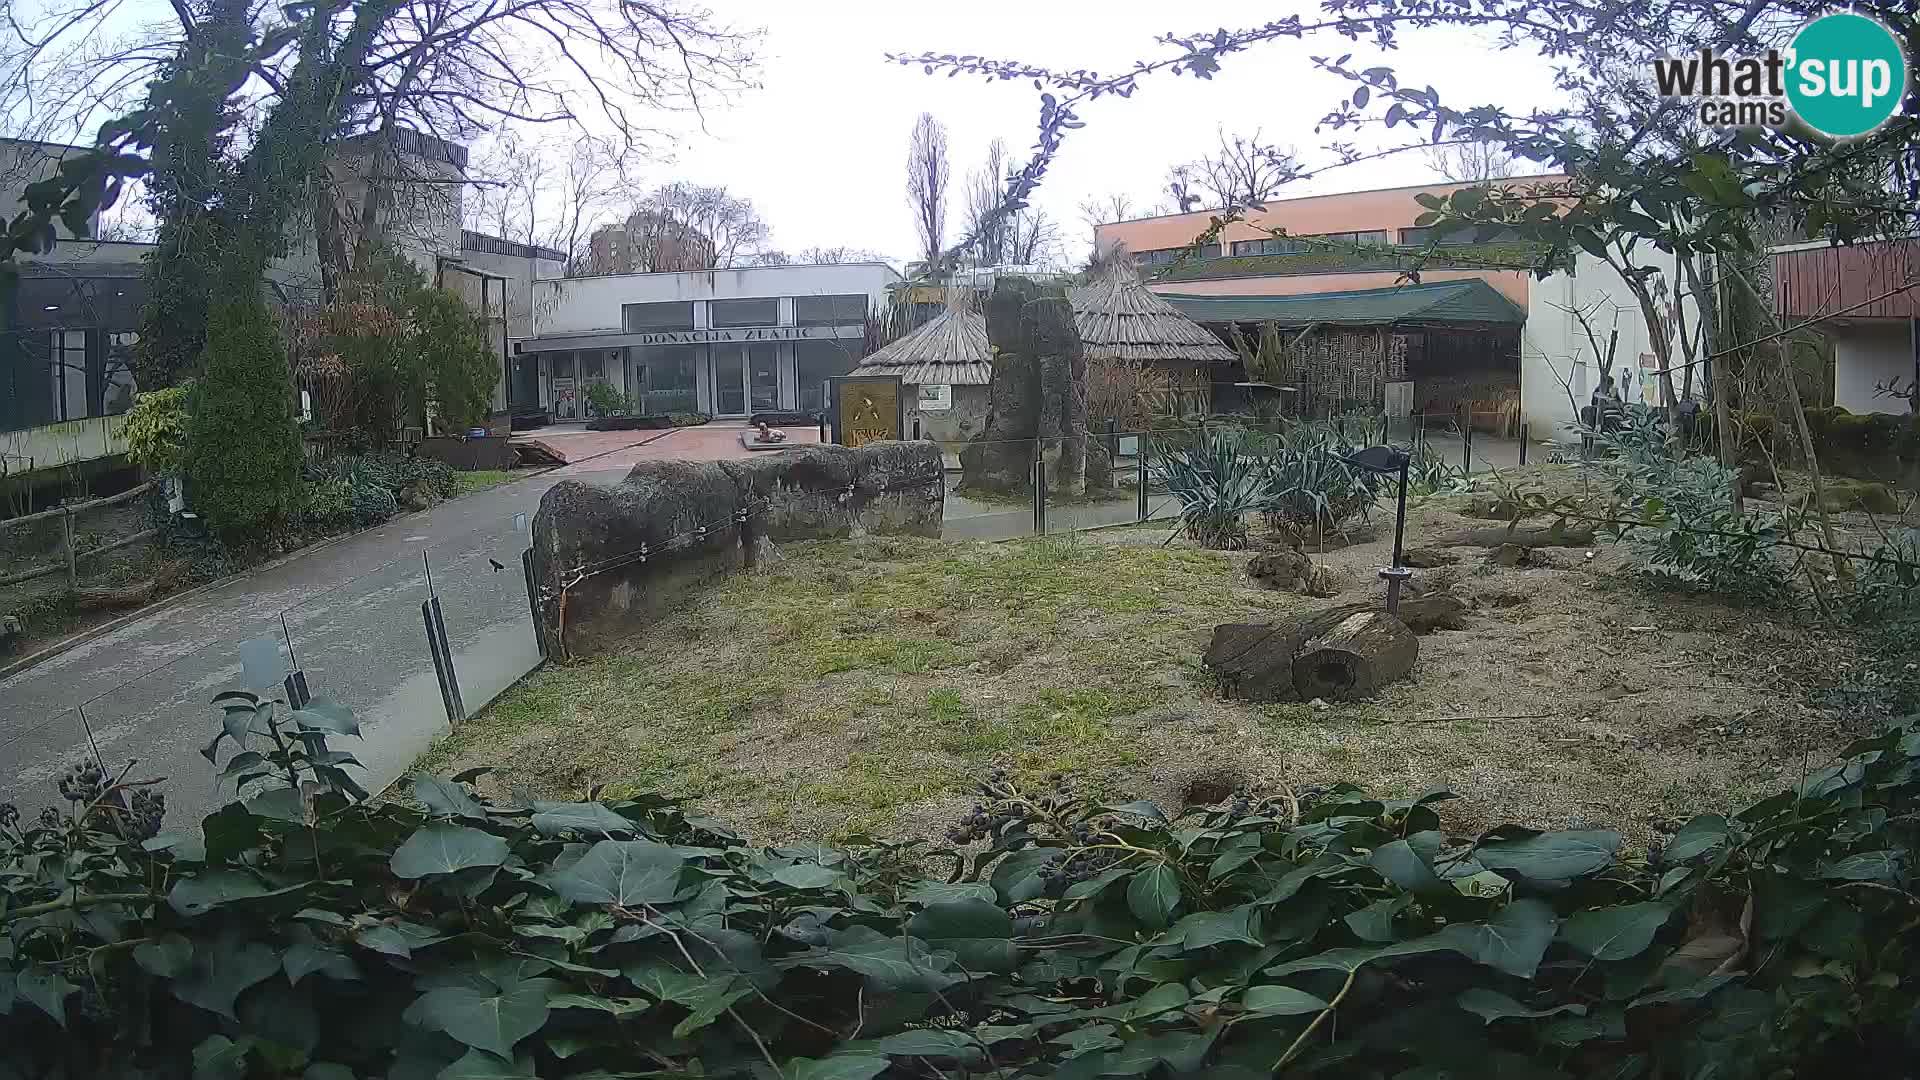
x=1217 y=483
x=1327 y=932
x=243 y=443
x=604 y=400
x=458 y=362
x=156 y=429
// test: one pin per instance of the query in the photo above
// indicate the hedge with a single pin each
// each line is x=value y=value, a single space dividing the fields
x=1330 y=933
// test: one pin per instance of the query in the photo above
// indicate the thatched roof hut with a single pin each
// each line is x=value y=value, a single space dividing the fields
x=950 y=348
x=1119 y=318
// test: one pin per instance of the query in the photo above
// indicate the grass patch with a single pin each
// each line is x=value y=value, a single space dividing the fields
x=481 y=479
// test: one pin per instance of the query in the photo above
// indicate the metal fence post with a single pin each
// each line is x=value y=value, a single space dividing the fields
x=1466 y=439
x=533 y=601
x=1140 y=456
x=1523 y=444
x=1040 y=495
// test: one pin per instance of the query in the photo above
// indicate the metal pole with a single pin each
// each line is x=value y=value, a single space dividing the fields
x=1397 y=574
x=1140 y=456
x=916 y=427
x=1039 y=496
x=1523 y=444
x=1466 y=439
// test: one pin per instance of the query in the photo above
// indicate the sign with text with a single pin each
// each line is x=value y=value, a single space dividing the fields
x=867 y=408
x=935 y=397
x=756 y=333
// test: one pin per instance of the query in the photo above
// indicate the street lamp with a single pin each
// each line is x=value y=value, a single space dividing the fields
x=1386 y=460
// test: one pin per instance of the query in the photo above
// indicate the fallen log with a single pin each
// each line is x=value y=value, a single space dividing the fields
x=1558 y=534
x=1258 y=661
x=1355 y=658
x=114 y=597
x=1436 y=611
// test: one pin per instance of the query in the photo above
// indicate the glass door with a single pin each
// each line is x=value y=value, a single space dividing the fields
x=763 y=364
x=729 y=380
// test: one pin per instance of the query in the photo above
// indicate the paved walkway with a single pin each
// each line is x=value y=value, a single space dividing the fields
x=352 y=612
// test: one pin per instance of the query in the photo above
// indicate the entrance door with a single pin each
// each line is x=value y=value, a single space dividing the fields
x=566 y=399
x=729 y=380
x=763 y=366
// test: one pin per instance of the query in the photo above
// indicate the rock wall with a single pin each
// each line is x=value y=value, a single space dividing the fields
x=697 y=522
x=1037 y=402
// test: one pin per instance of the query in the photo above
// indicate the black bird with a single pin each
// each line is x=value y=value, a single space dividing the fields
x=496 y=564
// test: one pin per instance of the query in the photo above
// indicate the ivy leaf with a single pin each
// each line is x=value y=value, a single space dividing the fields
x=921 y=1042
x=1882 y=866
x=1400 y=864
x=714 y=997
x=202 y=893
x=939 y=892
x=480 y=1065
x=446 y=849
x=485 y=1020
x=1551 y=856
x=839 y=1067
x=590 y=817
x=1697 y=837
x=980 y=934
x=220 y=1058
x=1016 y=878
x=303 y=960
x=1615 y=933
x=398 y=938
x=1153 y=895
x=1512 y=941
x=893 y=963
x=222 y=971
x=1204 y=928
x=325 y=714
x=1491 y=1005
x=167 y=957
x=612 y=1006
x=624 y=872
x=1280 y=1001
x=445 y=798
x=47 y=989
x=807 y=876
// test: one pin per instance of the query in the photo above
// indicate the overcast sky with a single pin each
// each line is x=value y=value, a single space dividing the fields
x=821 y=147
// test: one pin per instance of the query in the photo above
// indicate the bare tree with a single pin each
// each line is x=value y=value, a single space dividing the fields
x=990 y=227
x=586 y=187
x=927 y=184
x=1241 y=172
x=682 y=226
x=1470 y=162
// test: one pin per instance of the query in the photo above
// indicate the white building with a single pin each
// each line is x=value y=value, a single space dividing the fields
x=727 y=343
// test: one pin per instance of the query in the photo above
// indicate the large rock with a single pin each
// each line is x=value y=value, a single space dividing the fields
x=610 y=560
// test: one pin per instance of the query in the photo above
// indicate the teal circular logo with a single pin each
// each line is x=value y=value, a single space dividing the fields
x=1847 y=75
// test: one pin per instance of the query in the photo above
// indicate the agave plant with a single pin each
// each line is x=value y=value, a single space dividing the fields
x=1311 y=485
x=1218 y=484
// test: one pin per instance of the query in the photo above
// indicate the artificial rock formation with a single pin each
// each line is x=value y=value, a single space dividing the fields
x=610 y=560
x=1037 y=401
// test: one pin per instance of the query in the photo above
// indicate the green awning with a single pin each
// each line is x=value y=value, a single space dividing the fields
x=1469 y=301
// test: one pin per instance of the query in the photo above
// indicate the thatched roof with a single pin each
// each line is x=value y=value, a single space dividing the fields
x=1119 y=318
x=951 y=348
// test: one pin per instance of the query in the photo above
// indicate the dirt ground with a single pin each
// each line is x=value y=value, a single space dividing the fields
x=860 y=686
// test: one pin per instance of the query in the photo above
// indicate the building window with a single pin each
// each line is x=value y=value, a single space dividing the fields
x=1420 y=237
x=654 y=318
x=814 y=362
x=829 y=310
x=663 y=379
x=1160 y=257
x=725 y=313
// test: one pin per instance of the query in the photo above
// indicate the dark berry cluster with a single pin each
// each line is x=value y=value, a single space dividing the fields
x=9 y=815
x=146 y=809
x=82 y=783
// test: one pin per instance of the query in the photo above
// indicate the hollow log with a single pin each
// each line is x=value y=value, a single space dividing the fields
x=1355 y=657
x=1558 y=534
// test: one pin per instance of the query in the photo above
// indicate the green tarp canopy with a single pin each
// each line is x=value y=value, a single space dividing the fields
x=1469 y=301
